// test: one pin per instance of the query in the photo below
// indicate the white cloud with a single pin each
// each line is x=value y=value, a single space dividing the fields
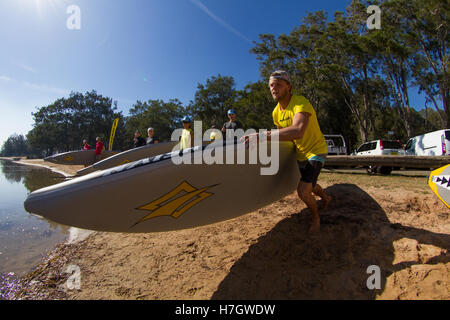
x=219 y=20
x=5 y=79
x=46 y=88
x=25 y=67
x=35 y=86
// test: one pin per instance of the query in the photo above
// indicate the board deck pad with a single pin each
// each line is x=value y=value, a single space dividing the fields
x=155 y=194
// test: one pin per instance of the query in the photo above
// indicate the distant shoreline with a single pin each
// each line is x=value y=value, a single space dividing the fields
x=62 y=172
x=65 y=170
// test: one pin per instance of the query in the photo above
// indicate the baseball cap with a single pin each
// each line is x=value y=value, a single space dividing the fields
x=186 y=119
x=280 y=74
x=231 y=111
x=150 y=129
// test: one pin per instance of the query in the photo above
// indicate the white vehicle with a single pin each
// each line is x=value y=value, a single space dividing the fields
x=336 y=144
x=436 y=143
x=380 y=147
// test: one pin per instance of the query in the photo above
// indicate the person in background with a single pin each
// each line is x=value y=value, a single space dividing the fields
x=213 y=135
x=152 y=139
x=232 y=123
x=99 y=149
x=86 y=146
x=138 y=141
x=187 y=135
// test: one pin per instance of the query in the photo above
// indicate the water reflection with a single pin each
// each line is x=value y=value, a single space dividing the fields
x=24 y=238
x=33 y=178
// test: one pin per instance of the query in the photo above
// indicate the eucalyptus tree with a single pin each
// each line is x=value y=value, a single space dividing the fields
x=429 y=22
x=351 y=62
x=395 y=51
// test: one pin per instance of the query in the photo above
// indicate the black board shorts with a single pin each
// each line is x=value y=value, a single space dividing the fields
x=310 y=170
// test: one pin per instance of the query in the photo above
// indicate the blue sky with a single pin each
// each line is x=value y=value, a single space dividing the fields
x=132 y=49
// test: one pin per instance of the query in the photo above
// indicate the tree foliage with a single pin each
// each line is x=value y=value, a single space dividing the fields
x=64 y=124
x=15 y=145
x=213 y=100
x=163 y=117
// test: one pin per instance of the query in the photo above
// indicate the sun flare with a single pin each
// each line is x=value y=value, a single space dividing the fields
x=42 y=6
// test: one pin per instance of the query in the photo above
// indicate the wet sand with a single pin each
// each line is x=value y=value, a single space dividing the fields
x=394 y=223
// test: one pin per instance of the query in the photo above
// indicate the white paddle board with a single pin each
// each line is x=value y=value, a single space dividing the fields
x=155 y=194
x=77 y=157
x=147 y=151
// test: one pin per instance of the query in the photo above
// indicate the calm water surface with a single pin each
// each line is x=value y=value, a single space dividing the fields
x=24 y=238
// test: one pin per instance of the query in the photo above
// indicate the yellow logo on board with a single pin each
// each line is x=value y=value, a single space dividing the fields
x=176 y=202
x=68 y=158
x=123 y=162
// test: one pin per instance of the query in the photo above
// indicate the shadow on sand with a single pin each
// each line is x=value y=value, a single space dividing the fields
x=287 y=263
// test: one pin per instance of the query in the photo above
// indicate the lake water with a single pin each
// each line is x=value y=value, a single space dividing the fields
x=24 y=238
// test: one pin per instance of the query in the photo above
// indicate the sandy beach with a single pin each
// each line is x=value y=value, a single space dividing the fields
x=394 y=223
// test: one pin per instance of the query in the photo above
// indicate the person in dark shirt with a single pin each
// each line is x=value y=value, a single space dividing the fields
x=233 y=124
x=152 y=139
x=138 y=140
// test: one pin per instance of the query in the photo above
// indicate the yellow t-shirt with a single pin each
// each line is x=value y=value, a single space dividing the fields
x=313 y=142
x=185 y=139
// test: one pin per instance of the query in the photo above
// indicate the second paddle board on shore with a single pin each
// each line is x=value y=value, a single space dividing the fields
x=77 y=157
x=131 y=155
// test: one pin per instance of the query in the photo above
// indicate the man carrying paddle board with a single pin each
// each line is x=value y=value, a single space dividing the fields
x=296 y=120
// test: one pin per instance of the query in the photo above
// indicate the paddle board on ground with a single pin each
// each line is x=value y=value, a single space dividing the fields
x=155 y=194
x=439 y=182
x=147 y=151
x=78 y=157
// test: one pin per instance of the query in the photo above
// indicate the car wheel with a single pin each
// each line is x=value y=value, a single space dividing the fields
x=385 y=170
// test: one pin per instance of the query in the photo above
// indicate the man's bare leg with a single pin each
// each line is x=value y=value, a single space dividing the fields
x=304 y=191
x=317 y=190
